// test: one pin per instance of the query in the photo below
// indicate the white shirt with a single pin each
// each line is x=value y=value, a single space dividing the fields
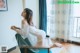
x=29 y=32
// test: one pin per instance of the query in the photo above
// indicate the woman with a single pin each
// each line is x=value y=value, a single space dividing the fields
x=28 y=29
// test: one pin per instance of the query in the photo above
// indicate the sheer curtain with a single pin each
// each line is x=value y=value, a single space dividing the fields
x=62 y=20
x=51 y=15
x=50 y=18
x=58 y=19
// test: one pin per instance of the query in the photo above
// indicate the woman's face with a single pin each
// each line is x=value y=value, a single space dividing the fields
x=24 y=14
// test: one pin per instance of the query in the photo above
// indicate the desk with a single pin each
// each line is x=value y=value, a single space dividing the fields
x=37 y=46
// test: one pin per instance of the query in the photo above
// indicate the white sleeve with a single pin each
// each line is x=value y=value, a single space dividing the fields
x=24 y=32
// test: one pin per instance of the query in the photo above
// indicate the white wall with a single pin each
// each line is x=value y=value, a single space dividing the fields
x=33 y=5
x=7 y=19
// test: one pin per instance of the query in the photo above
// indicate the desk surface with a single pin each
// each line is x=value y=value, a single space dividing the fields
x=39 y=45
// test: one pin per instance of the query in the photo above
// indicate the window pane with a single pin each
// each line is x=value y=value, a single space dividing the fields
x=76 y=15
x=76 y=11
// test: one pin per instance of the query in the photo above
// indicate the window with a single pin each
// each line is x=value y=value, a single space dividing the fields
x=76 y=16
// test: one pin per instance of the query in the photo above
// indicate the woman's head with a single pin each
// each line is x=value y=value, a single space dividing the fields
x=27 y=14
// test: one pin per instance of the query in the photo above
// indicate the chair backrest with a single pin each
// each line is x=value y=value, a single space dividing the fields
x=21 y=41
x=24 y=42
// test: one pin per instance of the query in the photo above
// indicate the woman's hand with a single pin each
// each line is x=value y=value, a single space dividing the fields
x=13 y=27
x=16 y=29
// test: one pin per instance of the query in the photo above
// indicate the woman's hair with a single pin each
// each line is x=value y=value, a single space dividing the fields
x=29 y=14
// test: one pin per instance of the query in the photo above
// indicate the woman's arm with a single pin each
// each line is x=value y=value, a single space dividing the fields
x=23 y=30
x=15 y=29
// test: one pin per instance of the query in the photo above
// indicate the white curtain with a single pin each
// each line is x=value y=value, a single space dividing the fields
x=51 y=18
x=58 y=19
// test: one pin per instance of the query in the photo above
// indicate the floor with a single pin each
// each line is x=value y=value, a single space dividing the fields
x=66 y=48
x=15 y=51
